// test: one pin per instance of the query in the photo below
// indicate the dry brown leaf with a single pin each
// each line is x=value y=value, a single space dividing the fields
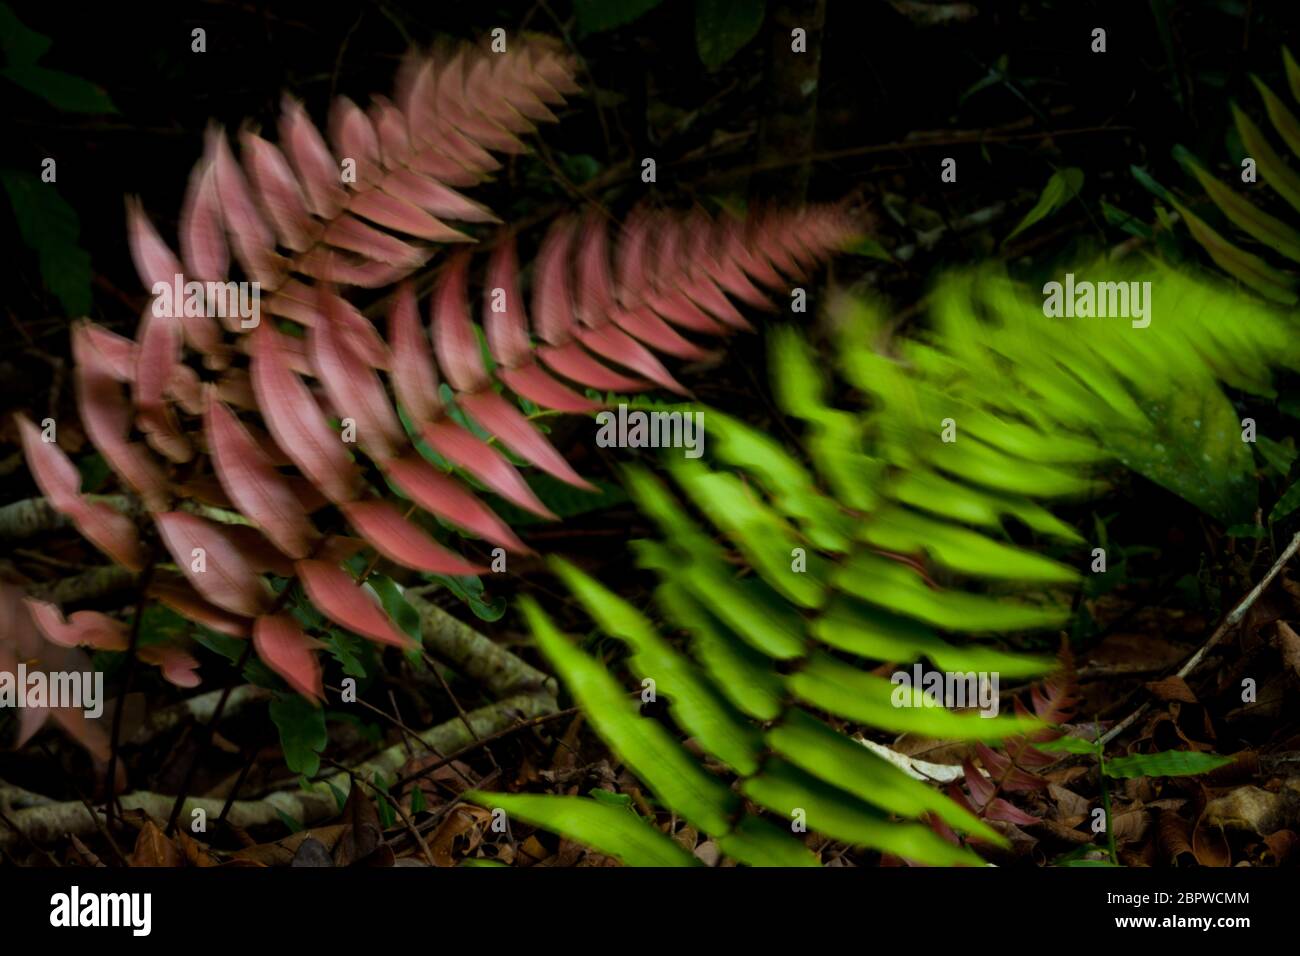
x=281 y=852
x=1209 y=845
x=1288 y=643
x=1282 y=847
x=312 y=853
x=1172 y=688
x=363 y=832
x=459 y=834
x=1070 y=806
x=440 y=784
x=152 y=848
x=1174 y=835
x=687 y=837
x=1066 y=834
x=531 y=852
x=195 y=853
x=1130 y=825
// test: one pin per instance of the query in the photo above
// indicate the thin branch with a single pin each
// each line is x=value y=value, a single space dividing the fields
x=1232 y=620
x=55 y=821
x=128 y=673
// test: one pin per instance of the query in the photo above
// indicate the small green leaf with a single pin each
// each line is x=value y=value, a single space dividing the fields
x=1167 y=763
x=1124 y=220
x=347 y=649
x=1063 y=186
x=1089 y=863
x=611 y=799
x=596 y=16
x=21 y=45
x=232 y=649
x=1245 y=531
x=302 y=732
x=340 y=798
x=470 y=590
x=869 y=248
x=1279 y=455
x=50 y=228
x=396 y=606
x=387 y=817
x=63 y=91
x=22 y=48
x=722 y=27
x=1069 y=744
x=1288 y=503
x=1147 y=181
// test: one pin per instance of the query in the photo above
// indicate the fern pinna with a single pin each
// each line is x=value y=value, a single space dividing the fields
x=1263 y=164
x=890 y=532
x=273 y=446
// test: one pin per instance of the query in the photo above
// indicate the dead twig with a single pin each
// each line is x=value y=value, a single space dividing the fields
x=1232 y=620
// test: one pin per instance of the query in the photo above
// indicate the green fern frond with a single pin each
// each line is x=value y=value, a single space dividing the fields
x=889 y=540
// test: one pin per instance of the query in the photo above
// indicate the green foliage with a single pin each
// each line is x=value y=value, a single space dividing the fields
x=302 y=732
x=722 y=27
x=611 y=830
x=1286 y=504
x=470 y=590
x=1044 y=410
x=1274 y=234
x=1063 y=186
x=50 y=227
x=23 y=48
x=396 y=606
x=596 y=16
x=1168 y=763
